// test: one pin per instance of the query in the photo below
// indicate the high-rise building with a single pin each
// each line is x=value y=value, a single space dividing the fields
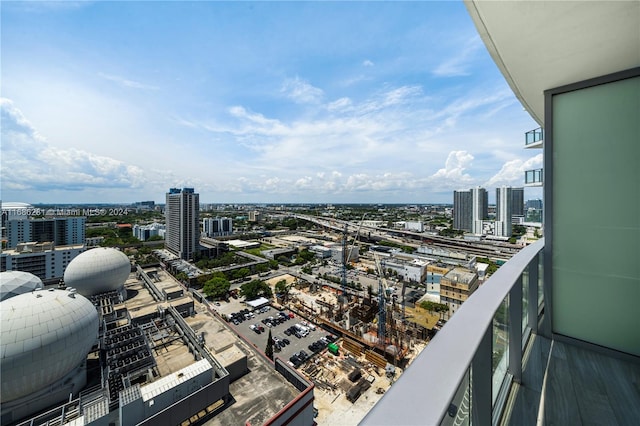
x=517 y=201
x=470 y=209
x=182 y=213
x=479 y=209
x=534 y=204
x=61 y=231
x=462 y=210
x=217 y=226
x=504 y=211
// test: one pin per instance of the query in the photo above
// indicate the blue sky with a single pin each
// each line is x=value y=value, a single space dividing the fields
x=385 y=102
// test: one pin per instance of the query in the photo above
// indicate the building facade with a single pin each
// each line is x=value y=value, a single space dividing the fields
x=462 y=210
x=217 y=226
x=414 y=270
x=456 y=287
x=59 y=230
x=44 y=260
x=470 y=209
x=504 y=211
x=479 y=209
x=144 y=232
x=182 y=213
x=517 y=201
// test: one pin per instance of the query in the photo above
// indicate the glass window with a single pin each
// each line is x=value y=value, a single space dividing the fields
x=500 y=347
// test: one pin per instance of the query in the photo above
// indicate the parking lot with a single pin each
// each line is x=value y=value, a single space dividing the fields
x=269 y=318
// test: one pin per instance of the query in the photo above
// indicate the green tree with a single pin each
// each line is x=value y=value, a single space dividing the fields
x=241 y=273
x=216 y=287
x=306 y=255
x=282 y=289
x=281 y=286
x=519 y=230
x=291 y=223
x=262 y=267
x=269 y=349
x=182 y=277
x=254 y=289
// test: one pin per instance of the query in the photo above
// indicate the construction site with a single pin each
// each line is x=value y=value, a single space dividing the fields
x=380 y=336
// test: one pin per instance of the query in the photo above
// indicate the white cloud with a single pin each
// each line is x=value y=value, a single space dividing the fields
x=512 y=172
x=367 y=63
x=304 y=182
x=339 y=104
x=453 y=174
x=301 y=91
x=30 y=162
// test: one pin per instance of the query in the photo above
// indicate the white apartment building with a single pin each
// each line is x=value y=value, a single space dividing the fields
x=144 y=232
x=217 y=226
x=504 y=209
x=44 y=260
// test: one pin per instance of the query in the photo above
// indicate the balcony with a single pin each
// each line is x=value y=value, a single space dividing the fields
x=491 y=365
x=534 y=138
x=533 y=177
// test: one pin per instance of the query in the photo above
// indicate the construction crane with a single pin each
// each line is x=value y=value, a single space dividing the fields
x=344 y=265
x=346 y=256
x=382 y=300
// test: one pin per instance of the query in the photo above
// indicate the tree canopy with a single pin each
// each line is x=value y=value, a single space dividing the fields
x=254 y=289
x=269 y=349
x=216 y=287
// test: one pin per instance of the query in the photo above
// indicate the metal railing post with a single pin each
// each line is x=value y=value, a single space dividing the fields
x=515 y=331
x=532 y=292
x=481 y=381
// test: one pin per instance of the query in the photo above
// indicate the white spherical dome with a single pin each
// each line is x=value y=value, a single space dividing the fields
x=97 y=270
x=13 y=283
x=45 y=335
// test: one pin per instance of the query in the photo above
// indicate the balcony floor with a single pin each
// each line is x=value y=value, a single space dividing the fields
x=581 y=387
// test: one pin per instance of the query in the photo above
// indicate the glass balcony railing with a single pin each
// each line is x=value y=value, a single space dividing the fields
x=533 y=177
x=534 y=136
x=464 y=374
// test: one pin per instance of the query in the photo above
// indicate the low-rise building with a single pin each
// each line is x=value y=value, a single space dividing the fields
x=321 y=252
x=144 y=232
x=353 y=254
x=414 y=226
x=409 y=270
x=93 y=241
x=456 y=287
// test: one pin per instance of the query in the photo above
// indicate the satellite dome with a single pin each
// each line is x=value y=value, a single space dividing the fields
x=45 y=335
x=98 y=270
x=13 y=283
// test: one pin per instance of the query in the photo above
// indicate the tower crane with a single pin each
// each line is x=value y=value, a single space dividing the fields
x=346 y=255
x=382 y=300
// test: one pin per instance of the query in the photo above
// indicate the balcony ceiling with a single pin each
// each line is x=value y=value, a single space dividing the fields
x=539 y=45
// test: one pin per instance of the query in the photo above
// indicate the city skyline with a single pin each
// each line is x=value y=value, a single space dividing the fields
x=253 y=103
